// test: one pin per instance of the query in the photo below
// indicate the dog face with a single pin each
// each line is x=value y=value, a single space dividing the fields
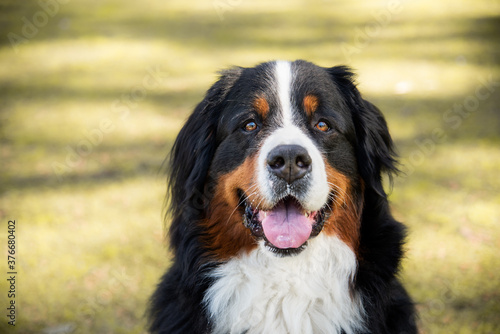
x=280 y=153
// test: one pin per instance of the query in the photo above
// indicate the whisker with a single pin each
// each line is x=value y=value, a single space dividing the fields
x=353 y=213
x=242 y=200
x=343 y=193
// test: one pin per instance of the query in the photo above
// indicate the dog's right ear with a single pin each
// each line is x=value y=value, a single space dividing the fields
x=195 y=146
x=375 y=150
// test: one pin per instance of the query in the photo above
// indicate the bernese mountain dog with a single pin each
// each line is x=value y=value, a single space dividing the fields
x=279 y=220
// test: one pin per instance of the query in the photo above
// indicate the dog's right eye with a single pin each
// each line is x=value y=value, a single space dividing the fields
x=250 y=126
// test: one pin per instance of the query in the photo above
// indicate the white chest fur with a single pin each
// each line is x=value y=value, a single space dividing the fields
x=259 y=293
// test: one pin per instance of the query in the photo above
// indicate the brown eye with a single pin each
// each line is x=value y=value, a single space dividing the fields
x=322 y=126
x=250 y=126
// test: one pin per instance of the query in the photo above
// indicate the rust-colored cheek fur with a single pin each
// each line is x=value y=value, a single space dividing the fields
x=344 y=220
x=225 y=233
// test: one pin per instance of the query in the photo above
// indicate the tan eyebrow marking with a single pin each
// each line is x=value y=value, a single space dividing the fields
x=261 y=106
x=311 y=103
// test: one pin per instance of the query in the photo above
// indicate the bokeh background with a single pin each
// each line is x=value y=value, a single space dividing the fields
x=92 y=94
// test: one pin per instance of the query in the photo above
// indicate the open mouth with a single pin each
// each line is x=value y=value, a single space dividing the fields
x=286 y=227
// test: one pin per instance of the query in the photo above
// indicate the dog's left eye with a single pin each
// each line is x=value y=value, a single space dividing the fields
x=250 y=126
x=322 y=126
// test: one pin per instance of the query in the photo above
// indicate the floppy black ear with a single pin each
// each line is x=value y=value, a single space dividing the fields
x=194 y=148
x=375 y=149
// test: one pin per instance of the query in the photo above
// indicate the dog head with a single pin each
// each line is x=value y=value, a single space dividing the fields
x=275 y=155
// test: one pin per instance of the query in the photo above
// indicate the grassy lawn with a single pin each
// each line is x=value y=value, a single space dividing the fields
x=92 y=94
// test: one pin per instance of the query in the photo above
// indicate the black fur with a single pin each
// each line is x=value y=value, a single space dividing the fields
x=176 y=306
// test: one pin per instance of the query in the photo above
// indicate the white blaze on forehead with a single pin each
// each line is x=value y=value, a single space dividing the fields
x=284 y=82
x=290 y=134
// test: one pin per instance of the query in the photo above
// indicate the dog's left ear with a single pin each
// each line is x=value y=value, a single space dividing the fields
x=375 y=149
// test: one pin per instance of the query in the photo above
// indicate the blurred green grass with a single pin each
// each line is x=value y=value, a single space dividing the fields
x=90 y=239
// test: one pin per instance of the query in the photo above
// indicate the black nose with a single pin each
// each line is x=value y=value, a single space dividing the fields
x=289 y=162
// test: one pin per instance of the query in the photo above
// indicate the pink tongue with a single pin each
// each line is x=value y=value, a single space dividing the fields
x=285 y=226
